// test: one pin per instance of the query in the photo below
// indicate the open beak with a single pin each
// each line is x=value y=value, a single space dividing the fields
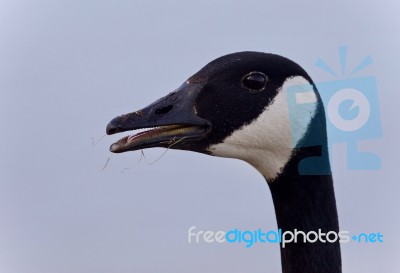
x=171 y=120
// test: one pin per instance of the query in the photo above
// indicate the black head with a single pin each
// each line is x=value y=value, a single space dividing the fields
x=234 y=93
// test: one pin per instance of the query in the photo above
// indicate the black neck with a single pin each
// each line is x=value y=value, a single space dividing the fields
x=307 y=203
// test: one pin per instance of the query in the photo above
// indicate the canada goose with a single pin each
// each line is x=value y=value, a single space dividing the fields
x=237 y=106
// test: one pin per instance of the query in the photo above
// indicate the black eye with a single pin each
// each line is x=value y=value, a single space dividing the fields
x=255 y=81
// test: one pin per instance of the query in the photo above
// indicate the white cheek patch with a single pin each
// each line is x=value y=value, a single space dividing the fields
x=267 y=142
x=305 y=97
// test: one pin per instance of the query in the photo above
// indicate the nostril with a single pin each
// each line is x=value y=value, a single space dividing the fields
x=164 y=110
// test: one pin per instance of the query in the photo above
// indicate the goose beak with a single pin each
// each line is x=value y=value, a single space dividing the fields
x=171 y=120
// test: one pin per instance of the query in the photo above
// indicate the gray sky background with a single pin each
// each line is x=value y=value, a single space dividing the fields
x=68 y=67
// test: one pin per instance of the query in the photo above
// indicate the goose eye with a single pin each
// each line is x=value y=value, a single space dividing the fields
x=255 y=81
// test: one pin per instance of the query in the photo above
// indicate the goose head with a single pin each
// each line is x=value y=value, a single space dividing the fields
x=237 y=106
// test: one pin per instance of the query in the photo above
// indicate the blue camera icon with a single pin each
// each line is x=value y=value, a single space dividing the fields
x=352 y=115
x=352 y=109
